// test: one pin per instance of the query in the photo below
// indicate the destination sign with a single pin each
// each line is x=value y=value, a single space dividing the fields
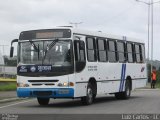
x=41 y=35
x=45 y=34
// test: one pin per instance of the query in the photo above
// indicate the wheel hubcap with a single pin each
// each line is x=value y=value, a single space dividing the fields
x=90 y=95
x=128 y=91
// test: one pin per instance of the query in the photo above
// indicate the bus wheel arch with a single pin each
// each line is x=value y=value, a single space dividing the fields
x=91 y=92
x=129 y=79
x=127 y=92
x=93 y=82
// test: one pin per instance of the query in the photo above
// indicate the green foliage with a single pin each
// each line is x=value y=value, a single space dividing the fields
x=7 y=86
x=158 y=76
x=158 y=79
x=10 y=62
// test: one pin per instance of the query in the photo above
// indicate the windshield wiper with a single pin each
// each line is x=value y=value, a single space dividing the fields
x=53 y=43
x=35 y=47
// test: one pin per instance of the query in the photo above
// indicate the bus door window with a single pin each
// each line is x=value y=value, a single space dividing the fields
x=79 y=49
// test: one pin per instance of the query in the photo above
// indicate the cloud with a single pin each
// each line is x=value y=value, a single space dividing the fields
x=122 y=17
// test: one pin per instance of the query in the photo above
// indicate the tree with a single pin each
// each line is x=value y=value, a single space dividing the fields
x=10 y=61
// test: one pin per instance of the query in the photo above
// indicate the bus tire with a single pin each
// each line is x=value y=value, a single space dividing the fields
x=88 y=99
x=43 y=101
x=127 y=93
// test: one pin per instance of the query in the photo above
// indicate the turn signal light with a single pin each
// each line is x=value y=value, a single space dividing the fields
x=71 y=84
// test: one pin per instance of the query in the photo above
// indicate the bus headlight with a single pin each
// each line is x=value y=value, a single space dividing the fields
x=22 y=85
x=65 y=84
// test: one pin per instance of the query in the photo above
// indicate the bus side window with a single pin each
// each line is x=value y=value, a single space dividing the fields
x=79 y=49
x=137 y=53
x=102 y=53
x=121 y=51
x=91 y=49
x=130 y=52
x=112 y=57
x=142 y=53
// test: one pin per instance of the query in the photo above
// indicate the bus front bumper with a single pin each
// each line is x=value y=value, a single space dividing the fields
x=46 y=92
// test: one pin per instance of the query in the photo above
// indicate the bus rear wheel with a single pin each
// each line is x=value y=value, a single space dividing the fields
x=126 y=94
x=43 y=101
x=88 y=99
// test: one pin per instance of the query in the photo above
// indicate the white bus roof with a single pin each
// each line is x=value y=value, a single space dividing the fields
x=98 y=34
x=105 y=35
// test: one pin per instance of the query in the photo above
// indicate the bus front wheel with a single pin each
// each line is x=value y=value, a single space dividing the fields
x=43 y=101
x=88 y=99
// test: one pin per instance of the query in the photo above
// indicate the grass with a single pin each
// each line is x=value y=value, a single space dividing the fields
x=7 y=86
x=6 y=79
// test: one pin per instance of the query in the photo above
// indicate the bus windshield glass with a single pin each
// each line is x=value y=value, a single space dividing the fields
x=46 y=52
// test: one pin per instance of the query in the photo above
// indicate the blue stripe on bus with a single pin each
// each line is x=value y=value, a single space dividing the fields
x=121 y=78
x=55 y=92
x=124 y=74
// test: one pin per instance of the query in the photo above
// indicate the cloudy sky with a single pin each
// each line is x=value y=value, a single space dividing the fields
x=120 y=17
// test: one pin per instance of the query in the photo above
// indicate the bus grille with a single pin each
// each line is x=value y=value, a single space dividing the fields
x=37 y=81
x=42 y=93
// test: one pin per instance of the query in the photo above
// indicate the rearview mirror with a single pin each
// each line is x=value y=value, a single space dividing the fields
x=12 y=48
x=11 y=51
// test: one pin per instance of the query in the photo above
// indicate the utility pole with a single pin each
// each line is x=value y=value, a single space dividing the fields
x=150 y=17
x=3 y=48
x=76 y=23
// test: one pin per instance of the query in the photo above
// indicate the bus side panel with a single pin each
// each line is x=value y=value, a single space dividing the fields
x=80 y=89
x=108 y=87
x=109 y=76
x=82 y=78
x=138 y=74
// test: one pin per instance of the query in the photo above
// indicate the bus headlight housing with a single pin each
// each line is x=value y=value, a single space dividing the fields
x=22 y=85
x=65 y=84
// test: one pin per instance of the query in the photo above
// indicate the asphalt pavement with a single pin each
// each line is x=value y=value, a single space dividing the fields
x=141 y=101
x=7 y=94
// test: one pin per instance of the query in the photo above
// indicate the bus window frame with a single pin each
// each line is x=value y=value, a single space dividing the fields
x=115 y=50
x=104 y=50
x=94 y=48
x=124 y=51
x=132 y=53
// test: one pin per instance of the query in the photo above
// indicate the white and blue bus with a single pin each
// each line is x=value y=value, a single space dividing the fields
x=70 y=63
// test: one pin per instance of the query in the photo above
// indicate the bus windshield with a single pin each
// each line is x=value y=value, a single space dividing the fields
x=46 y=52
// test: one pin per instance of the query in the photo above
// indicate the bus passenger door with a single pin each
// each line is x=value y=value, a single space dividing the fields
x=80 y=63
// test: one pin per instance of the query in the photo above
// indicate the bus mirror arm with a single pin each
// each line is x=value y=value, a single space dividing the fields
x=12 y=48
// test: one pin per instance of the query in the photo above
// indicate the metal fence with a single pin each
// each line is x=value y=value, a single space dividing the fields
x=7 y=71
